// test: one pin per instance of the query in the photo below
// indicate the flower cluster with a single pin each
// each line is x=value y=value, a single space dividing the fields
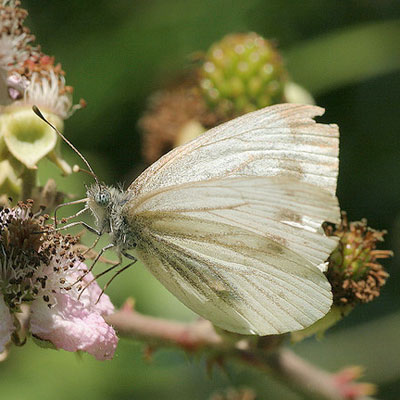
x=240 y=73
x=40 y=268
x=27 y=77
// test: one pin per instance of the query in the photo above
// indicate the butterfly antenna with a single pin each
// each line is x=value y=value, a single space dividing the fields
x=77 y=168
x=40 y=115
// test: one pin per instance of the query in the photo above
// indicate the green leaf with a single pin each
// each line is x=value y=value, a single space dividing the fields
x=346 y=56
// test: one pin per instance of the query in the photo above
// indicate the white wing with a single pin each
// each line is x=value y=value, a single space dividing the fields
x=230 y=223
x=241 y=252
x=277 y=140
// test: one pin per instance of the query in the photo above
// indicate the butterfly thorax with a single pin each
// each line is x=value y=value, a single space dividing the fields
x=106 y=204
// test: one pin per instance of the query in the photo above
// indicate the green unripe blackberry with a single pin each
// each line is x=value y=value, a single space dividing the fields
x=242 y=73
x=354 y=272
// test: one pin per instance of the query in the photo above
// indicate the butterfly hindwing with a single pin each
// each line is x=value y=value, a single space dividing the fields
x=211 y=244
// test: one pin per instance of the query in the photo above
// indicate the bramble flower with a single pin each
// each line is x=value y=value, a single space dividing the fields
x=39 y=268
x=26 y=137
x=29 y=77
x=47 y=88
x=15 y=47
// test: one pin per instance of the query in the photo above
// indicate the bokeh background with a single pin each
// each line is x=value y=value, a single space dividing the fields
x=346 y=53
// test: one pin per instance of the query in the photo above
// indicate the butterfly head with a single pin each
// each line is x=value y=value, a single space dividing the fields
x=102 y=202
x=102 y=196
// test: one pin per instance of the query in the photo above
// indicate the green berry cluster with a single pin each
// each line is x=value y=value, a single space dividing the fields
x=242 y=73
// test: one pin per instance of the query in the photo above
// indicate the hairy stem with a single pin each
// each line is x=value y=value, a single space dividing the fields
x=29 y=180
x=264 y=353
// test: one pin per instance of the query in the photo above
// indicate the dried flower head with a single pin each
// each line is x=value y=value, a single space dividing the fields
x=169 y=111
x=40 y=267
x=15 y=49
x=15 y=38
x=354 y=273
x=46 y=86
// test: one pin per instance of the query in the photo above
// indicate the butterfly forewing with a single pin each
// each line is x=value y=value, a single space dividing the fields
x=277 y=140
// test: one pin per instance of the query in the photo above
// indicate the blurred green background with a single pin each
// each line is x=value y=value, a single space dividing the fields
x=347 y=53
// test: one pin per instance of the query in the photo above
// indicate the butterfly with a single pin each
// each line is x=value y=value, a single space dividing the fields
x=230 y=223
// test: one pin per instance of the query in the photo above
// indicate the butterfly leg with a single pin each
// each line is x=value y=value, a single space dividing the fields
x=116 y=274
x=73 y=215
x=101 y=252
x=66 y=204
x=109 y=246
x=84 y=224
x=95 y=278
x=92 y=246
x=112 y=278
x=129 y=256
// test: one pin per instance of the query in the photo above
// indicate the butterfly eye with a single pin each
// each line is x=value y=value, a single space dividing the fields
x=103 y=198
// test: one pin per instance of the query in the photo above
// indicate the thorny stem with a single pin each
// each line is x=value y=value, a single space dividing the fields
x=305 y=378
x=266 y=356
x=29 y=180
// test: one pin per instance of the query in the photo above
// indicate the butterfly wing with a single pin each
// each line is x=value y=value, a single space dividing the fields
x=241 y=252
x=230 y=223
x=277 y=140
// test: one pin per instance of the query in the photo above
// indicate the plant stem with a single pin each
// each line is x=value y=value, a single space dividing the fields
x=266 y=355
x=29 y=180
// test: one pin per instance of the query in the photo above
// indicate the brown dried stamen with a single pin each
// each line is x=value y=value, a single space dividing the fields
x=27 y=248
x=354 y=273
x=169 y=110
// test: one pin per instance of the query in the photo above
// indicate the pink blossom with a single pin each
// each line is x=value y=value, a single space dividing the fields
x=75 y=325
x=44 y=273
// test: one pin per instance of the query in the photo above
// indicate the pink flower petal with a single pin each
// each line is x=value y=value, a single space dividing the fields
x=6 y=324
x=90 y=297
x=71 y=326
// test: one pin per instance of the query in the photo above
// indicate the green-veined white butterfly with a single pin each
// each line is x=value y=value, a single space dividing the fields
x=230 y=223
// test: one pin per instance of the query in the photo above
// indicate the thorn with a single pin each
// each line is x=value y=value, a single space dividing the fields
x=129 y=305
x=148 y=352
